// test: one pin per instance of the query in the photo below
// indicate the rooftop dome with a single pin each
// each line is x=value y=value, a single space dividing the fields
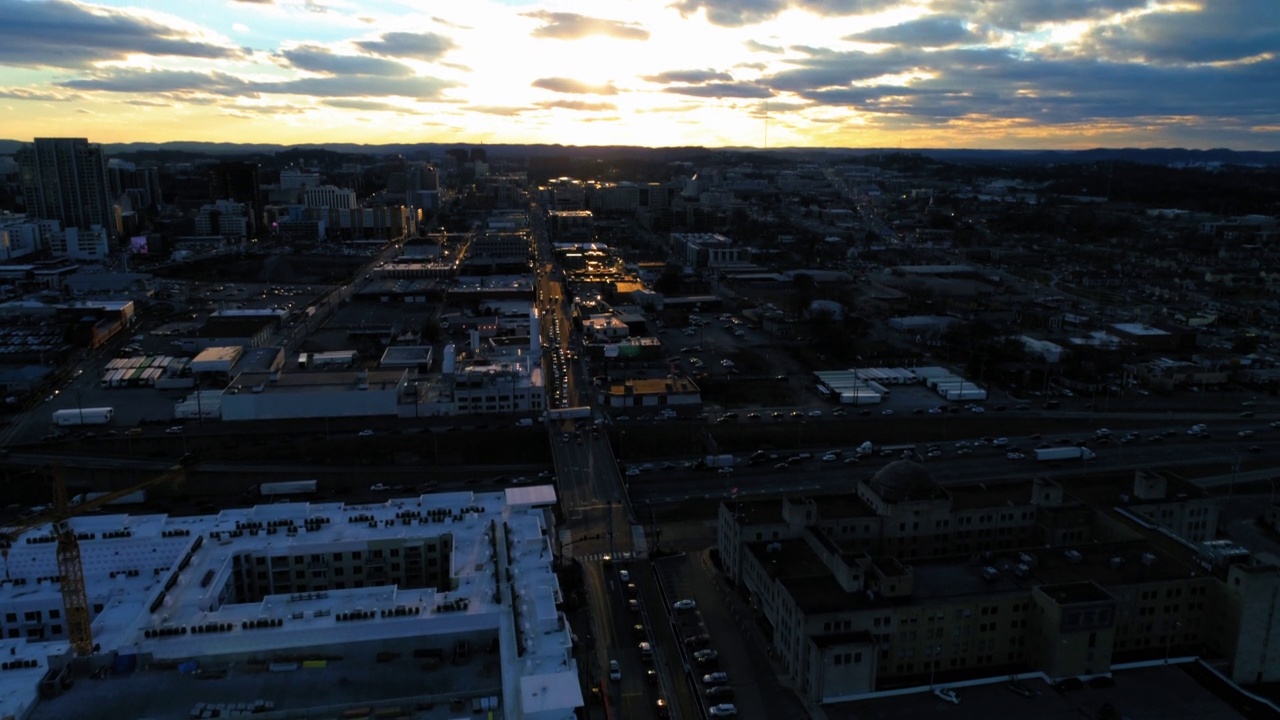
x=903 y=480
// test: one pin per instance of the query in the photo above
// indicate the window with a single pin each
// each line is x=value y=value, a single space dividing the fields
x=55 y=614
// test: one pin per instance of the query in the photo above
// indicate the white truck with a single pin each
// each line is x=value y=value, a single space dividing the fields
x=83 y=416
x=1064 y=453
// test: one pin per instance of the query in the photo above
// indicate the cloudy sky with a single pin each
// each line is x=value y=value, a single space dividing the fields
x=836 y=73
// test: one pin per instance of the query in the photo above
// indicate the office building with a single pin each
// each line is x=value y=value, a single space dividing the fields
x=65 y=179
x=238 y=182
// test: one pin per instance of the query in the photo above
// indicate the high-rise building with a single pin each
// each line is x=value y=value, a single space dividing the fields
x=65 y=179
x=237 y=181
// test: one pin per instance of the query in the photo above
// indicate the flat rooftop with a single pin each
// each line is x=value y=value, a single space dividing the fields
x=171 y=590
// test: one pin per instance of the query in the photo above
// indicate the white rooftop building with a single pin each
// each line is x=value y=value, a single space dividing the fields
x=309 y=587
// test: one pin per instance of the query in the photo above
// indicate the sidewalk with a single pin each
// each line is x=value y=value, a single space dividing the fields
x=585 y=654
x=745 y=620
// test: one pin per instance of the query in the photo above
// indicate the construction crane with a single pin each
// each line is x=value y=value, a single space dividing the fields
x=75 y=600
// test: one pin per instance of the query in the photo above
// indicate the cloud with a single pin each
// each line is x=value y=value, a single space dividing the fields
x=322 y=60
x=138 y=81
x=415 y=46
x=934 y=31
x=501 y=110
x=721 y=90
x=62 y=34
x=687 y=76
x=571 y=26
x=357 y=104
x=140 y=102
x=17 y=93
x=1219 y=32
x=569 y=85
x=1028 y=14
x=736 y=13
x=578 y=105
x=255 y=2
x=761 y=47
x=145 y=82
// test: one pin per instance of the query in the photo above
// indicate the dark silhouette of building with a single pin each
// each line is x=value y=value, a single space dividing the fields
x=238 y=181
x=65 y=179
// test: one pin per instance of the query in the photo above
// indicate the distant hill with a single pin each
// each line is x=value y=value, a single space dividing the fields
x=171 y=151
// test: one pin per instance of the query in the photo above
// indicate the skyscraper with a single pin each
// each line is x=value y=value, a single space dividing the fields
x=65 y=179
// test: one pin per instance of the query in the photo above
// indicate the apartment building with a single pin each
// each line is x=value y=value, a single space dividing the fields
x=902 y=582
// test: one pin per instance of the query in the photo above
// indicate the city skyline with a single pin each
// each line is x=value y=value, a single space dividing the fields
x=1021 y=74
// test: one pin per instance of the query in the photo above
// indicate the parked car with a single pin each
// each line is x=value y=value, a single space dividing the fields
x=615 y=670
x=716 y=678
x=722 y=710
x=947 y=694
x=685 y=605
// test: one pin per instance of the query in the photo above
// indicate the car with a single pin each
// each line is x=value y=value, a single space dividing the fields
x=722 y=710
x=663 y=708
x=615 y=670
x=796 y=414
x=886 y=411
x=753 y=416
x=174 y=430
x=977 y=409
x=719 y=692
x=935 y=411
x=776 y=415
x=782 y=466
x=1245 y=433
x=815 y=413
x=1255 y=448
x=646 y=650
x=633 y=605
x=716 y=678
x=725 y=470
x=651 y=676
x=964 y=451
x=697 y=641
x=640 y=632
x=838 y=412
x=851 y=460
x=705 y=657
x=624 y=575
x=685 y=605
x=947 y=694
x=829 y=457
x=379 y=487
x=633 y=472
x=365 y=433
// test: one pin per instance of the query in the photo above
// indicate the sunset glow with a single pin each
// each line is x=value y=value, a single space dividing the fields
x=853 y=73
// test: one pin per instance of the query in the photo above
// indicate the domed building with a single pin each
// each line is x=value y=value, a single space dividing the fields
x=901 y=481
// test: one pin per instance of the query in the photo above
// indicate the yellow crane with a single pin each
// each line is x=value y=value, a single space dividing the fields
x=75 y=600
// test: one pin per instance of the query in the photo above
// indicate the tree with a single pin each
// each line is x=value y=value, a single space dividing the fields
x=803 y=290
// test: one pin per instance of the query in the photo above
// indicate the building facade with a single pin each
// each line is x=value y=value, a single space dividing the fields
x=65 y=179
x=903 y=583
